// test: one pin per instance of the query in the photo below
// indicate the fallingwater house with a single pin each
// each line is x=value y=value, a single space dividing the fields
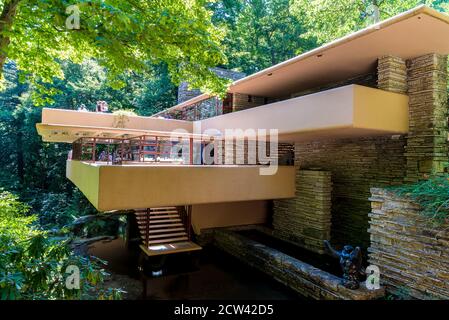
x=361 y=113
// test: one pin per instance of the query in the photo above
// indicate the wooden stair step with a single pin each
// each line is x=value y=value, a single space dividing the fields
x=164 y=216
x=160 y=226
x=167 y=241
x=165 y=225
x=153 y=222
x=143 y=237
x=166 y=235
x=169 y=220
x=158 y=217
x=162 y=208
x=166 y=230
x=177 y=247
x=152 y=213
x=152 y=218
x=164 y=212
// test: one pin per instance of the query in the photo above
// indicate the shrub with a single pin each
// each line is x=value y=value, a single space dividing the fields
x=33 y=263
x=432 y=195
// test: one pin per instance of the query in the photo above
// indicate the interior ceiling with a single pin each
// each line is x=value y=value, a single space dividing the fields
x=420 y=32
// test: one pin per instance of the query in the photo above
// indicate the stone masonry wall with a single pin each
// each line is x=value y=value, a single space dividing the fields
x=205 y=109
x=244 y=101
x=306 y=219
x=412 y=255
x=202 y=110
x=427 y=149
x=184 y=93
x=392 y=74
x=284 y=153
x=359 y=164
x=356 y=166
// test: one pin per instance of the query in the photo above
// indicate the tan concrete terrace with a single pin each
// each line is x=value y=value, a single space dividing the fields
x=115 y=187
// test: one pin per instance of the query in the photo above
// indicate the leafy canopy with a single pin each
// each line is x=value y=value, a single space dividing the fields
x=327 y=20
x=261 y=33
x=122 y=35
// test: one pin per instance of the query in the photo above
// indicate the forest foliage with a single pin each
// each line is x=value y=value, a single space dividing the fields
x=34 y=263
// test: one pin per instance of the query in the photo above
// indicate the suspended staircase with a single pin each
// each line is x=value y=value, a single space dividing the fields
x=165 y=230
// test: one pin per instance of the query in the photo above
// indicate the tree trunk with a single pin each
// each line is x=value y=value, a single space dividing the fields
x=20 y=165
x=6 y=20
x=20 y=158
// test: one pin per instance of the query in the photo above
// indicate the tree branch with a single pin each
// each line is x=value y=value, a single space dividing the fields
x=6 y=20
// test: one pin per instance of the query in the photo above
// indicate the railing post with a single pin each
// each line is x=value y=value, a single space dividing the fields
x=188 y=221
x=107 y=156
x=82 y=149
x=147 y=229
x=191 y=151
x=94 y=147
x=122 y=152
x=156 y=148
x=140 y=149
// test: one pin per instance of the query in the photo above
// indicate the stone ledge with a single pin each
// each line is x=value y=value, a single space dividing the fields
x=301 y=277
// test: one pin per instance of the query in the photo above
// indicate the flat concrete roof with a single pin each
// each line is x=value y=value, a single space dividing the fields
x=411 y=34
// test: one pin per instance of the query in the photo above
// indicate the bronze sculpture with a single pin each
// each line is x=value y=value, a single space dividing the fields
x=350 y=262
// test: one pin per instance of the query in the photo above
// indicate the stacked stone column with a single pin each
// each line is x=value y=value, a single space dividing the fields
x=306 y=219
x=424 y=79
x=392 y=74
x=427 y=149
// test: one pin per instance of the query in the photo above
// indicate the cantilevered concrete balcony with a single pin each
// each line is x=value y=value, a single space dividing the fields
x=348 y=111
x=60 y=125
x=115 y=187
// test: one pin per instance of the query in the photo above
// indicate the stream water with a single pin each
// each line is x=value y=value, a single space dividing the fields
x=212 y=274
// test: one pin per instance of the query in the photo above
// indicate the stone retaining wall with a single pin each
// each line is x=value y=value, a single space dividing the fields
x=410 y=253
x=309 y=281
